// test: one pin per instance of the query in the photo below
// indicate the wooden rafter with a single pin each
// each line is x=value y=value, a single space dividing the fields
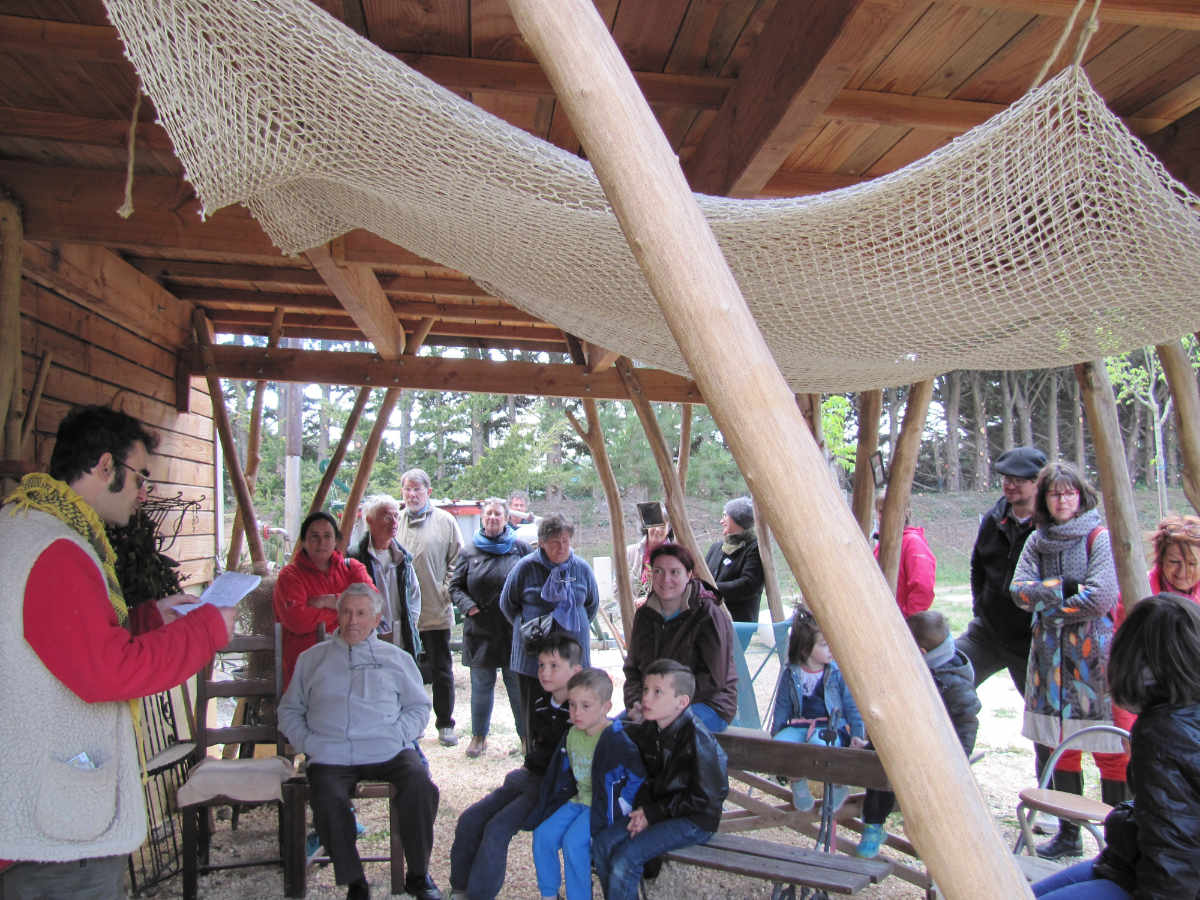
x=359 y=292
x=802 y=59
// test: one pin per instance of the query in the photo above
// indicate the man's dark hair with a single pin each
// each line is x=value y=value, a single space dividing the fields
x=595 y=680
x=680 y=677
x=1154 y=653
x=561 y=645
x=87 y=433
x=928 y=628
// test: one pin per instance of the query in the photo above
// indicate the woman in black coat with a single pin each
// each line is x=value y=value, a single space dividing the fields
x=734 y=561
x=479 y=575
x=1152 y=845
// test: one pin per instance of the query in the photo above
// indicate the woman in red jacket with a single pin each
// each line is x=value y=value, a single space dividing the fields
x=307 y=589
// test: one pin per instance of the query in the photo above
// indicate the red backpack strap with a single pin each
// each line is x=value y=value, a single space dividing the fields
x=1091 y=539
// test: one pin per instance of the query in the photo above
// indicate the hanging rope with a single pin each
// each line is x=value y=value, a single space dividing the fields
x=125 y=210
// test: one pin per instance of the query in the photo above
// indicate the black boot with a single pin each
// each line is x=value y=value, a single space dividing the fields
x=1113 y=792
x=1068 y=842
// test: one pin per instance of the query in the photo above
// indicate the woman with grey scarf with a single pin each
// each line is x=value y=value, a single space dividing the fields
x=1066 y=578
x=734 y=561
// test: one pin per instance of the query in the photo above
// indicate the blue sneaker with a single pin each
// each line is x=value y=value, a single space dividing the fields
x=359 y=828
x=802 y=797
x=312 y=847
x=872 y=840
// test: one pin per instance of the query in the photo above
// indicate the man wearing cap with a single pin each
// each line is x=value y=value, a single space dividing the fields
x=734 y=561
x=999 y=634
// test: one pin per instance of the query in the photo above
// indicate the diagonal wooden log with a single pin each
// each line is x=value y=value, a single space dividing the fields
x=35 y=398
x=339 y=453
x=11 y=236
x=685 y=444
x=899 y=489
x=233 y=466
x=767 y=555
x=1120 y=512
x=676 y=507
x=252 y=446
x=367 y=463
x=870 y=405
x=944 y=810
x=594 y=438
x=1181 y=378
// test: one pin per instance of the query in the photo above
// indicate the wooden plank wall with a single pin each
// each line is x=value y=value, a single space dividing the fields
x=98 y=359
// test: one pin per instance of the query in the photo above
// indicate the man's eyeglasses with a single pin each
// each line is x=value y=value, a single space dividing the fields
x=1014 y=480
x=140 y=477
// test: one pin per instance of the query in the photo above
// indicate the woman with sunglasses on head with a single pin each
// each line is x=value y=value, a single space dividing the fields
x=1067 y=580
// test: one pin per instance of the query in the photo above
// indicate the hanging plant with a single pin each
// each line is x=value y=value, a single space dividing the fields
x=145 y=574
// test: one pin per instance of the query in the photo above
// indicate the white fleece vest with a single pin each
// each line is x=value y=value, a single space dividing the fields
x=51 y=811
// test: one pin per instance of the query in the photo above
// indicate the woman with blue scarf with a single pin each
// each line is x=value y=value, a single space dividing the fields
x=552 y=581
x=479 y=576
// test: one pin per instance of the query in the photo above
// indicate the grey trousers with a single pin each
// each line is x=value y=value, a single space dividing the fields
x=100 y=878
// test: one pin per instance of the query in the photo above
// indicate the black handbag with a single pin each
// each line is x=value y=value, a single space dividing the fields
x=534 y=631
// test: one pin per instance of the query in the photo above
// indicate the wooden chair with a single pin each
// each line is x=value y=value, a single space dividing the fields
x=230 y=782
x=295 y=876
x=1080 y=810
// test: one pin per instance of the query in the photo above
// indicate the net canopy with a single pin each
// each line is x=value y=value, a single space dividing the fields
x=1046 y=236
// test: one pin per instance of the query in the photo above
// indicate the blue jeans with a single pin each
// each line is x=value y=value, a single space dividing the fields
x=483 y=692
x=479 y=854
x=709 y=717
x=569 y=827
x=620 y=858
x=1077 y=882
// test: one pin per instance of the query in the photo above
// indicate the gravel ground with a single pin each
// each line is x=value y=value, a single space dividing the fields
x=1006 y=767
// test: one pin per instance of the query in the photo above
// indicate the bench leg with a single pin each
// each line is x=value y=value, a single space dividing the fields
x=291 y=838
x=191 y=852
x=395 y=819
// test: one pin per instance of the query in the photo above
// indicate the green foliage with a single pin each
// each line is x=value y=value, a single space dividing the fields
x=836 y=412
x=517 y=463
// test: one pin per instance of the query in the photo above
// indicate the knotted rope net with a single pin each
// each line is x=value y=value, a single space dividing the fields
x=1046 y=236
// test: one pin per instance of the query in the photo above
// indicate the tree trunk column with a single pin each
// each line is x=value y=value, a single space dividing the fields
x=899 y=490
x=1119 y=510
x=870 y=405
x=1182 y=381
x=756 y=411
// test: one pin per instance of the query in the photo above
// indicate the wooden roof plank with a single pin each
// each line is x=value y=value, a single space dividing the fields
x=1184 y=14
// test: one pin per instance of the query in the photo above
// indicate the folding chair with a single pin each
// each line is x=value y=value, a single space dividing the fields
x=1072 y=807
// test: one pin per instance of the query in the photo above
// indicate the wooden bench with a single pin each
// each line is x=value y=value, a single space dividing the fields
x=755 y=764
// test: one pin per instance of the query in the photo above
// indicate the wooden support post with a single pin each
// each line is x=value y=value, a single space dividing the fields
x=594 y=438
x=685 y=444
x=945 y=813
x=367 y=463
x=241 y=490
x=1182 y=381
x=253 y=444
x=35 y=400
x=1120 y=513
x=767 y=555
x=899 y=489
x=339 y=453
x=11 y=235
x=870 y=405
x=676 y=507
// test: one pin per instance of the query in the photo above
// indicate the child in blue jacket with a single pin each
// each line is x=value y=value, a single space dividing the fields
x=813 y=704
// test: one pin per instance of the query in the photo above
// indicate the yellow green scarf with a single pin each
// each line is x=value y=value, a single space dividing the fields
x=56 y=498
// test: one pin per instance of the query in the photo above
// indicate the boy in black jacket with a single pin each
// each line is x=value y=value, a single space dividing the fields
x=955 y=681
x=479 y=854
x=679 y=803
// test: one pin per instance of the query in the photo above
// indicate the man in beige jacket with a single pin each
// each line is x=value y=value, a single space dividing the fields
x=431 y=535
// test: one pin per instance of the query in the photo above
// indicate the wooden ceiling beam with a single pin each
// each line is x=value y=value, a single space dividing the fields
x=79 y=205
x=439 y=373
x=801 y=60
x=1178 y=148
x=359 y=292
x=230 y=298
x=236 y=318
x=1184 y=14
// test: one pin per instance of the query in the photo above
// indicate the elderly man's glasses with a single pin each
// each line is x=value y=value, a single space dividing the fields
x=140 y=477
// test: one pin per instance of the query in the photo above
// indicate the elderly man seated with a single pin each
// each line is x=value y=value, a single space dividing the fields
x=356 y=707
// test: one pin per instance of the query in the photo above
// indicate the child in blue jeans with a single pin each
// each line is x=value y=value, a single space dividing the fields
x=590 y=783
x=813 y=704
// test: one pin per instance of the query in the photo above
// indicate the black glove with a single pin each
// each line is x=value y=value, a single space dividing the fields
x=1070 y=587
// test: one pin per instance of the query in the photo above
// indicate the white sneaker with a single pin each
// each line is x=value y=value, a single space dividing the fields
x=447 y=737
